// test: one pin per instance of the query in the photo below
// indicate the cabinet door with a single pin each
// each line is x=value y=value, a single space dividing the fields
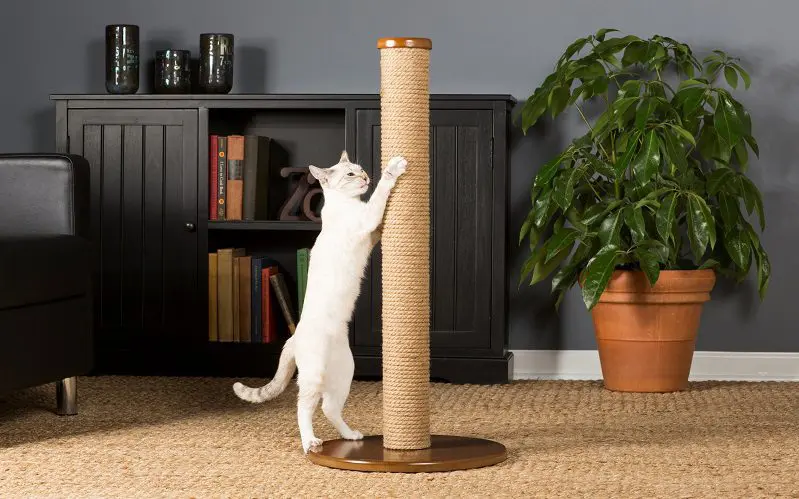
x=461 y=180
x=143 y=195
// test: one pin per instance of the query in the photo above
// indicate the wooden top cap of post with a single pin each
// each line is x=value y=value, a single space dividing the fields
x=404 y=42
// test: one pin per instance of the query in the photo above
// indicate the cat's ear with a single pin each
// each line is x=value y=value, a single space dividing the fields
x=344 y=158
x=319 y=174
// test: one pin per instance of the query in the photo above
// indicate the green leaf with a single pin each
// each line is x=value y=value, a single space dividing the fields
x=684 y=133
x=657 y=248
x=572 y=49
x=530 y=263
x=623 y=162
x=742 y=155
x=675 y=152
x=727 y=122
x=634 y=53
x=543 y=269
x=690 y=99
x=701 y=226
x=610 y=230
x=763 y=272
x=598 y=273
x=692 y=83
x=629 y=90
x=649 y=264
x=645 y=110
x=744 y=75
x=548 y=171
x=730 y=211
x=541 y=208
x=532 y=111
x=753 y=199
x=752 y=144
x=709 y=264
x=562 y=239
x=589 y=71
x=558 y=99
x=718 y=179
x=602 y=167
x=600 y=35
x=738 y=249
x=665 y=216
x=634 y=219
x=731 y=76
x=647 y=163
x=528 y=222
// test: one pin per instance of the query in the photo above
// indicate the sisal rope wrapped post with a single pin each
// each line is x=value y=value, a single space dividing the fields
x=405 y=131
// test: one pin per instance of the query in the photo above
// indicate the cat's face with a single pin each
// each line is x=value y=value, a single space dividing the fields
x=344 y=177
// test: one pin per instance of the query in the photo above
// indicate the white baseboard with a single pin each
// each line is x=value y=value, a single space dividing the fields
x=723 y=366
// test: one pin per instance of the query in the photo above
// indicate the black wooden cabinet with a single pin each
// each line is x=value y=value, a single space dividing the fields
x=149 y=158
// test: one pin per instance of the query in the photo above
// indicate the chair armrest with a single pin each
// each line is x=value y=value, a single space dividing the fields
x=44 y=194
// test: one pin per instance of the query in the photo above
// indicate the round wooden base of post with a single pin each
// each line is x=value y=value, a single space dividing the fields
x=446 y=453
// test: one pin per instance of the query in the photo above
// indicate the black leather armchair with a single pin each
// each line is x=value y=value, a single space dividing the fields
x=45 y=274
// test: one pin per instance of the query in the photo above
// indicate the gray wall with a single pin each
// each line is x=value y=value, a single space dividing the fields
x=503 y=46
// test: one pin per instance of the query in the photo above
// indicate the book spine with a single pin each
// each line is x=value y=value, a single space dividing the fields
x=225 y=293
x=245 y=297
x=282 y=295
x=213 y=166
x=236 y=299
x=213 y=325
x=235 y=177
x=302 y=277
x=256 y=177
x=266 y=307
x=221 y=180
x=257 y=267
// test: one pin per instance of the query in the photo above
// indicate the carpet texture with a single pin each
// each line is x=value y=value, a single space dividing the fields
x=168 y=437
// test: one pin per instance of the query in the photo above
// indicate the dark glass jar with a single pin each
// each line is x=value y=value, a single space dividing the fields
x=216 y=63
x=122 y=58
x=172 y=72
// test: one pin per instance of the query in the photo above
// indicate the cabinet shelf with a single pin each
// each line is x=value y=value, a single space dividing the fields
x=262 y=225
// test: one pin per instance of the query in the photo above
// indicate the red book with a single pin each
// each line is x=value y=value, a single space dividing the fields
x=213 y=170
x=268 y=331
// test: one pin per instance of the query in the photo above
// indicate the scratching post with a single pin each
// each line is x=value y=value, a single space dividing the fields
x=405 y=131
x=407 y=445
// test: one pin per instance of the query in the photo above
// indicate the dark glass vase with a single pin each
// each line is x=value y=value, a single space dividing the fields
x=216 y=63
x=172 y=72
x=122 y=58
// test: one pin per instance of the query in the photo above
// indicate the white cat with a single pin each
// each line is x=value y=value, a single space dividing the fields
x=320 y=348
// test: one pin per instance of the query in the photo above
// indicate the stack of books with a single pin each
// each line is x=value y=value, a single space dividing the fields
x=239 y=177
x=245 y=293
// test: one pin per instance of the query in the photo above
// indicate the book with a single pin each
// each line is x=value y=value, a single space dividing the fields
x=303 y=259
x=221 y=177
x=236 y=299
x=284 y=299
x=213 y=326
x=268 y=326
x=235 y=177
x=256 y=177
x=245 y=299
x=225 y=286
x=256 y=329
x=213 y=169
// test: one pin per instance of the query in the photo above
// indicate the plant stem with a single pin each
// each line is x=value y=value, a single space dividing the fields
x=579 y=110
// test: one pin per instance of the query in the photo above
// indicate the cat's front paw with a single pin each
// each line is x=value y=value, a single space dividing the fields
x=311 y=443
x=396 y=167
x=353 y=435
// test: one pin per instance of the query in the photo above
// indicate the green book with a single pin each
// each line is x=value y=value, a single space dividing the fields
x=303 y=256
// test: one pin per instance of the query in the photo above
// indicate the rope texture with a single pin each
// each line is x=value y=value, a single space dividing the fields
x=405 y=131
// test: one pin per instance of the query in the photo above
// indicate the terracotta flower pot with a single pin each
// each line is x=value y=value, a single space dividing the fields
x=646 y=334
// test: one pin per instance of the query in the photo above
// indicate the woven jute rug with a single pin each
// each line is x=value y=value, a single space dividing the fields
x=190 y=437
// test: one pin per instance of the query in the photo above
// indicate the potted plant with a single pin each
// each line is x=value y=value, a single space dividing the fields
x=647 y=207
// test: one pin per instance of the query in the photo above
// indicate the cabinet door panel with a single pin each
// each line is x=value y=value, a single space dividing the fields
x=460 y=231
x=143 y=191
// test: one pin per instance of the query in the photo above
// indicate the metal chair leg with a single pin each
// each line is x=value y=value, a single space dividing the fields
x=67 y=396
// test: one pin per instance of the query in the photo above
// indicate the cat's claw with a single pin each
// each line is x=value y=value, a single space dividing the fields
x=311 y=443
x=396 y=166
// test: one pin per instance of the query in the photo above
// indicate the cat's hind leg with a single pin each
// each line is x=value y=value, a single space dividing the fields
x=337 y=389
x=310 y=391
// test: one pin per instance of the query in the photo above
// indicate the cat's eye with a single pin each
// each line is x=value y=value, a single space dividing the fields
x=350 y=174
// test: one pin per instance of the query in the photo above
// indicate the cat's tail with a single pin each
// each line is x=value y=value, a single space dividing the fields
x=285 y=370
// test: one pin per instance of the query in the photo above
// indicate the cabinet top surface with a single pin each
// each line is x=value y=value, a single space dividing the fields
x=261 y=97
